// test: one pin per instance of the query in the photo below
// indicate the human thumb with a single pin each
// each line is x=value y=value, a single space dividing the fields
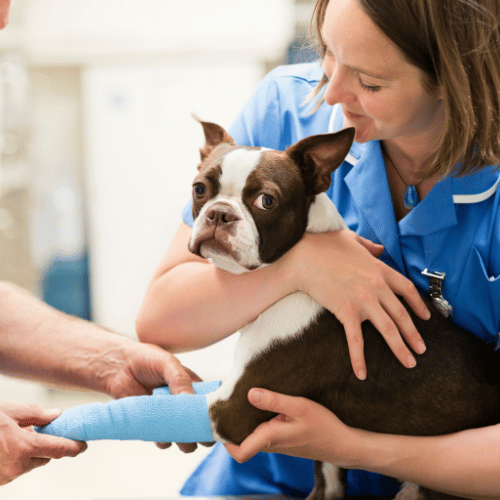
x=270 y=401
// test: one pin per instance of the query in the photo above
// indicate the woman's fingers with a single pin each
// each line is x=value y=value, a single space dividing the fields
x=393 y=334
x=405 y=326
x=266 y=434
x=393 y=322
x=405 y=288
x=355 y=343
x=374 y=248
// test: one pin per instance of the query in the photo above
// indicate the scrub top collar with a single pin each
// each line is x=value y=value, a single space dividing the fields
x=368 y=184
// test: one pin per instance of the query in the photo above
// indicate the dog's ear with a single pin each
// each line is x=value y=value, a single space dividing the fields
x=319 y=155
x=214 y=135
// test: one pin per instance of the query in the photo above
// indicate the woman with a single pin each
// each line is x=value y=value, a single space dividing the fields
x=420 y=81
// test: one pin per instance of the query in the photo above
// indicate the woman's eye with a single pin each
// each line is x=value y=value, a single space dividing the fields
x=370 y=88
x=265 y=201
x=199 y=190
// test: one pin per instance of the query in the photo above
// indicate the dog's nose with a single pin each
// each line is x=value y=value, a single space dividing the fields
x=220 y=216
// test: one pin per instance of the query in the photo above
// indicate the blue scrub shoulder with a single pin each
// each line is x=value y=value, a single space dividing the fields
x=277 y=115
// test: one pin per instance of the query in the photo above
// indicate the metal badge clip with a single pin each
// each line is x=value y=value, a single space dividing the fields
x=435 y=283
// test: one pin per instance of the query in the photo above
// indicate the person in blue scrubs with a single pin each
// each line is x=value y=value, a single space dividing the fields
x=420 y=82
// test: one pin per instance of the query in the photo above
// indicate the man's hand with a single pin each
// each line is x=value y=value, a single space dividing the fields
x=148 y=366
x=137 y=368
x=21 y=448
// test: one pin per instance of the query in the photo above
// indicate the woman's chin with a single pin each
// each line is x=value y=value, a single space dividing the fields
x=362 y=135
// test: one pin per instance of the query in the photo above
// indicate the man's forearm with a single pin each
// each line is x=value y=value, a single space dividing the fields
x=37 y=341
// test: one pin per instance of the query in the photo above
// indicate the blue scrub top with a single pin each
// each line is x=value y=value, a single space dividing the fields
x=455 y=229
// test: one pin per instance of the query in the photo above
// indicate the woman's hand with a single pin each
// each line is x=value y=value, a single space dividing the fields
x=21 y=448
x=303 y=428
x=339 y=271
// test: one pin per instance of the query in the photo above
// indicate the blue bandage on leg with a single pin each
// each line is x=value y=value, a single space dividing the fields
x=161 y=417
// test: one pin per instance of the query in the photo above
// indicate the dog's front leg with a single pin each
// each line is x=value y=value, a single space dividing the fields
x=328 y=482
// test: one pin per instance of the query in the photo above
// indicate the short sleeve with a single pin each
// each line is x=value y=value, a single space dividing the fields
x=258 y=124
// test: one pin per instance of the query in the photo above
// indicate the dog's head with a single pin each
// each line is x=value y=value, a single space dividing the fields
x=250 y=205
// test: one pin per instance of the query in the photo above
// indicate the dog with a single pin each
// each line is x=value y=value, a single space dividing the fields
x=250 y=206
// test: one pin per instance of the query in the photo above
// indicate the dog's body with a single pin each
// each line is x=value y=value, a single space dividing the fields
x=250 y=206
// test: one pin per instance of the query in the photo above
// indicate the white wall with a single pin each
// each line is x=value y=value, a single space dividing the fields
x=72 y=30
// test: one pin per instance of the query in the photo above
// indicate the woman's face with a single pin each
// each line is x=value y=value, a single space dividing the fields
x=381 y=94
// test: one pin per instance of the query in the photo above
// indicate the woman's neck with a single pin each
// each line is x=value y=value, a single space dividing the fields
x=405 y=163
x=410 y=159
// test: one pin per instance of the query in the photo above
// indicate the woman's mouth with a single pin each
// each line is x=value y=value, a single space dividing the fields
x=351 y=116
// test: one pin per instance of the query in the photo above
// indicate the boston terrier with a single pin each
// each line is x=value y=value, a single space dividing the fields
x=250 y=206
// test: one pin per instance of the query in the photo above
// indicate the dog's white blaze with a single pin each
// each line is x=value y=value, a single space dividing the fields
x=285 y=319
x=236 y=167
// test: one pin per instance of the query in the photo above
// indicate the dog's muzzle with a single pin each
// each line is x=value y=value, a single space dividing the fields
x=215 y=226
x=226 y=233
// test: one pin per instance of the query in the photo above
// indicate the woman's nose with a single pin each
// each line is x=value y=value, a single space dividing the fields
x=337 y=89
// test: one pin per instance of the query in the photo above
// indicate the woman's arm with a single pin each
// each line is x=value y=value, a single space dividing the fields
x=465 y=464
x=190 y=303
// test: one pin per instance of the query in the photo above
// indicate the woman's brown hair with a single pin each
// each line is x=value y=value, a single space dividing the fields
x=456 y=44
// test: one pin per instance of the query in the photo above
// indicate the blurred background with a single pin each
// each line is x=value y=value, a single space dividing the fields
x=97 y=153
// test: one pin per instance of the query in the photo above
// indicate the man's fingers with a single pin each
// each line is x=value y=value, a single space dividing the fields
x=187 y=447
x=178 y=378
x=194 y=376
x=163 y=446
x=45 y=446
x=31 y=414
x=35 y=462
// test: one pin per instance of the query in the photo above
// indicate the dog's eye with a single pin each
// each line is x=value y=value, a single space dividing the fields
x=199 y=190
x=265 y=201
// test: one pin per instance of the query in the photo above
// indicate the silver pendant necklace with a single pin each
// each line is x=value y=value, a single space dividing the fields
x=410 y=200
